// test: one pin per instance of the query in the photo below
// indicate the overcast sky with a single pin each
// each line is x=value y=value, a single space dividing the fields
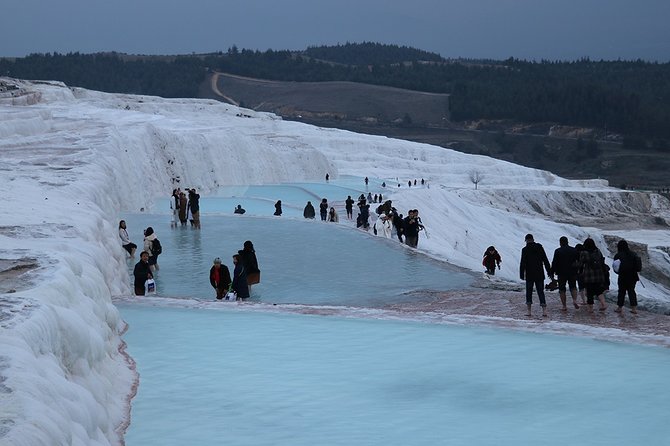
x=497 y=29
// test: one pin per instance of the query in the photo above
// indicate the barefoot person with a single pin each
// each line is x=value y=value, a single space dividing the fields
x=564 y=265
x=142 y=273
x=533 y=258
x=125 y=240
x=628 y=268
x=593 y=267
x=219 y=278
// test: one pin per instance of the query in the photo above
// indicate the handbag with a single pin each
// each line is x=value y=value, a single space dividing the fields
x=150 y=286
x=253 y=278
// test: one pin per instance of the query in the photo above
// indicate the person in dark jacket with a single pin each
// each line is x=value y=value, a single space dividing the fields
x=411 y=228
x=323 y=209
x=309 y=211
x=142 y=273
x=491 y=259
x=595 y=273
x=349 y=206
x=629 y=266
x=194 y=207
x=250 y=263
x=239 y=209
x=219 y=278
x=239 y=284
x=533 y=258
x=564 y=266
x=278 y=208
x=399 y=225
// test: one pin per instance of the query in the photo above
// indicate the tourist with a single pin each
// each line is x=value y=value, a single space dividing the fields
x=142 y=273
x=278 y=208
x=628 y=268
x=239 y=284
x=332 y=216
x=564 y=266
x=581 y=289
x=125 y=240
x=250 y=263
x=490 y=259
x=411 y=228
x=174 y=205
x=194 y=206
x=349 y=206
x=533 y=258
x=323 y=209
x=592 y=264
x=309 y=211
x=153 y=246
x=183 y=208
x=239 y=210
x=219 y=278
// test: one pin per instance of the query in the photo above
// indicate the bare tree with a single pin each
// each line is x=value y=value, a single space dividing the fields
x=476 y=177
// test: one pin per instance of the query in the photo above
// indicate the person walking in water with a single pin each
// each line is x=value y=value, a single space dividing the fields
x=332 y=215
x=250 y=263
x=219 y=278
x=278 y=208
x=533 y=258
x=153 y=246
x=194 y=206
x=142 y=273
x=309 y=211
x=125 y=240
x=564 y=266
x=628 y=268
x=349 y=206
x=323 y=209
x=239 y=285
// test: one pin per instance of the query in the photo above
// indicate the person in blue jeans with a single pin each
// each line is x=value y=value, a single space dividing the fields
x=533 y=258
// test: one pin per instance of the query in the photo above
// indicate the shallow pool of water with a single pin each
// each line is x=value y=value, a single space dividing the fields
x=301 y=261
x=227 y=376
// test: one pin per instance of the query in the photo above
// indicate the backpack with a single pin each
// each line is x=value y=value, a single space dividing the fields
x=156 y=247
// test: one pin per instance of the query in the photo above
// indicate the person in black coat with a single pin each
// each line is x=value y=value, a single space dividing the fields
x=349 y=206
x=629 y=266
x=219 y=278
x=142 y=273
x=278 y=208
x=564 y=265
x=250 y=263
x=309 y=211
x=323 y=209
x=240 y=285
x=533 y=258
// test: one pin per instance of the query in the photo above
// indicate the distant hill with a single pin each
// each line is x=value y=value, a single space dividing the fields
x=346 y=101
x=368 y=53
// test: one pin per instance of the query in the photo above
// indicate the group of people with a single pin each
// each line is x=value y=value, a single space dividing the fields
x=148 y=264
x=245 y=274
x=182 y=207
x=581 y=269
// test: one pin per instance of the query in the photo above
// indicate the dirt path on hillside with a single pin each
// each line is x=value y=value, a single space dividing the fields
x=214 y=84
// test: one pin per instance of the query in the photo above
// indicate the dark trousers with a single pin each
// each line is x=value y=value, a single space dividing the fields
x=139 y=290
x=539 y=286
x=626 y=286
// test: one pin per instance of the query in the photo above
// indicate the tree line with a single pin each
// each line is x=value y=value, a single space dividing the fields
x=628 y=97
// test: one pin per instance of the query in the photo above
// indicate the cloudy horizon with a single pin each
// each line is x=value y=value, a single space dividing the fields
x=478 y=29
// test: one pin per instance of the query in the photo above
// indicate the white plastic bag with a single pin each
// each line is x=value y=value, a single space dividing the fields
x=150 y=286
x=616 y=265
x=231 y=295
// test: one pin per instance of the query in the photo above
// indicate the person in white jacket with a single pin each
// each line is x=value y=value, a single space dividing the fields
x=149 y=237
x=125 y=240
x=383 y=226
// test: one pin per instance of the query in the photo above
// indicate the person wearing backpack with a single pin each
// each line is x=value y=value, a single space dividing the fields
x=595 y=274
x=629 y=265
x=153 y=246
